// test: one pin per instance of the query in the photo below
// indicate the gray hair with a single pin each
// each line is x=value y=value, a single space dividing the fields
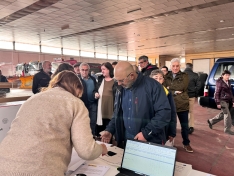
x=84 y=64
x=156 y=72
x=44 y=62
x=175 y=60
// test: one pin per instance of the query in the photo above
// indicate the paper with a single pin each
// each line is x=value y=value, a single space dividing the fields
x=113 y=160
x=92 y=170
x=107 y=145
x=75 y=162
x=182 y=169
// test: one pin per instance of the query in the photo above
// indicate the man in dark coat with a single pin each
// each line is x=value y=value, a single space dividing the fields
x=3 y=79
x=141 y=108
x=193 y=90
x=146 y=67
x=225 y=101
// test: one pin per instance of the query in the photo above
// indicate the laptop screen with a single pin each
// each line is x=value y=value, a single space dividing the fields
x=149 y=159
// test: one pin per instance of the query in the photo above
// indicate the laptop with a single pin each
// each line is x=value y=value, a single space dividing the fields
x=146 y=158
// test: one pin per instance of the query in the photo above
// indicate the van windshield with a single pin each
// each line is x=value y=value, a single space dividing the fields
x=222 y=67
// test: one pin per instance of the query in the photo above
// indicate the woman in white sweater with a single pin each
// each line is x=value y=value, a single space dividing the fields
x=46 y=128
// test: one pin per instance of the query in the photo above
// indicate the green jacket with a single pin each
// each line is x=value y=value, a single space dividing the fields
x=179 y=83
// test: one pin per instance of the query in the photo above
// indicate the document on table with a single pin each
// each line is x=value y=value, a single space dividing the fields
x=182 y=169
x=92 y=170
x=107 y=145
x=75 y=162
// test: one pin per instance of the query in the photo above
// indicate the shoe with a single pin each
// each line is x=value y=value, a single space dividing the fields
x=229 y=132
x=188 y=148
x=210 y=125
x=191 y=130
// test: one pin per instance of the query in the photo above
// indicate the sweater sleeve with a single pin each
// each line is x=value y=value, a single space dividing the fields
x=81 y=135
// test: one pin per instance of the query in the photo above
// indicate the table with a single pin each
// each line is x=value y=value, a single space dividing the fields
x=16 y=94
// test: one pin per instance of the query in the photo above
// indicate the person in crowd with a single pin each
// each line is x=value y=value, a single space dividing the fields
x=137 y=115
x=164 y=69
x=77 y=68
x=42 y=78
x=225 y=101
x=46 y=128
x=193 y=89
x=170 y=130
x=62 y=67
x=89 y=86
x=3 y=79
x=177 y=82
x=114 y=64
x=105 y=93
x=146 y=67
x=93 y=75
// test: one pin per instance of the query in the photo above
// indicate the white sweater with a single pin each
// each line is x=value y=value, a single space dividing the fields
x=43 y=133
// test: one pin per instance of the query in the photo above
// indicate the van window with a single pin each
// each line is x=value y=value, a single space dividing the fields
x=222 y=67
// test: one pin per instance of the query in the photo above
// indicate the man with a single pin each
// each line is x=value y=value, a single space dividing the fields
x=146 y=67
x=42 y=78
x=193 y=90
x=89 y=84
x=3 y=79
x=77 y=68
x=141 y=108
x=225 y=101
x=164 y=69
x=177 y=82
x=114 y=64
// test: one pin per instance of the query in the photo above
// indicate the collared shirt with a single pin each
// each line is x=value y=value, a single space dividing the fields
x=127 y=106
x=90 y=87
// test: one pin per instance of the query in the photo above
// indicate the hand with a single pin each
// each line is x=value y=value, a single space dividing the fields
x=171 y=138
x=140 y=137
x=219 y=106
x=97 y=95
x=178 y=92
x=106 y=136
x=232 y=104
x=104 y=149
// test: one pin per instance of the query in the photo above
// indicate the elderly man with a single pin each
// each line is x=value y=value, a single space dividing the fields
x=89 y=84
x=177 y=82
x=141 y=107
x=42 y=78
x=146 y=67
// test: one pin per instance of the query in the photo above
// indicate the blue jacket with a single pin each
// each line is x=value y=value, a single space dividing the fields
x=152 y=111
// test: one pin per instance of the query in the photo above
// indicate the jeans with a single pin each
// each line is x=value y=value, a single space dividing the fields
x=183 y=118
x=92 y=108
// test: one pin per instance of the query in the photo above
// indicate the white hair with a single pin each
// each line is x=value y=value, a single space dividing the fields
x=175 y=60
x=44 y=62
x=84 y=64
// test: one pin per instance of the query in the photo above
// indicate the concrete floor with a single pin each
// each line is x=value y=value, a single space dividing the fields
x=213 y=149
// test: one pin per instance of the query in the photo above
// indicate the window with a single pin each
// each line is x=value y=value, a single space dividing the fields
x=87 y=54
x=71 y=52
x=52 y=50
x=6 y=45
x=102 y=56
x=27 y=47
x=114 y=57
x=131 y=59
x=124 y=58
x=222 y=67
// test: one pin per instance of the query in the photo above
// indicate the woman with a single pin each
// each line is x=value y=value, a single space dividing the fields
x=62 y=67
x=171 y=128
x=105 y=92
x=46 y=128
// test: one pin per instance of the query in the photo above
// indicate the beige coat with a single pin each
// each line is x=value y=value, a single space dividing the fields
x=43 y=133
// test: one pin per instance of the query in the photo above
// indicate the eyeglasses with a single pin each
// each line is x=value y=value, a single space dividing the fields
x=84 y=70
x=121 y=81
x=141 y=62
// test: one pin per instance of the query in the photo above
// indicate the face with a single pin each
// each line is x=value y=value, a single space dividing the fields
x=77 y=70
x=126 y=81
x=143 y=63
x=164 y=70
x=47 y=67
x=226 y=77
x=158 y=78
x=84 y=71
x=105 y=71
x=175 y=67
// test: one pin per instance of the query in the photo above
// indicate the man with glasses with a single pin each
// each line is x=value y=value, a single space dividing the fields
x=89 y=84
x=146 y=67
x=141 y=109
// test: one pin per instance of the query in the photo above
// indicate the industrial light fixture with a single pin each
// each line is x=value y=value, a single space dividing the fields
x=221 y=21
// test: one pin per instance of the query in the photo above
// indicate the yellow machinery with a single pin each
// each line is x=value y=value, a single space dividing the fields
x=26 y=82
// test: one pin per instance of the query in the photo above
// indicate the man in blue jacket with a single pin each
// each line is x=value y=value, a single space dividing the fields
x=141 y=109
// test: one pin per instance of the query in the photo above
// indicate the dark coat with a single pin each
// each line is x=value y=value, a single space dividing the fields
x=194 y=83
x=223 y=92
x=4 y=79
x=151 y=111
x=180 y=83
x=148 y=69
x=41 y=79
